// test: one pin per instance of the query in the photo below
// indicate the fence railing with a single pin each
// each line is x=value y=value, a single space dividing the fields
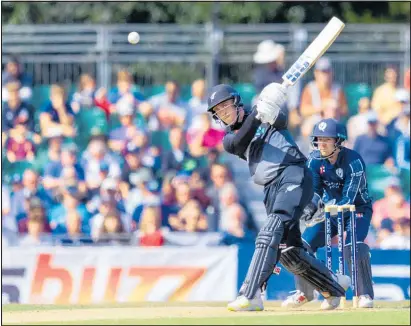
x=57 y=53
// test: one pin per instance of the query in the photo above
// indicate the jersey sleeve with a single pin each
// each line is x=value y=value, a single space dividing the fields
x=237 y=143
x=354 y=174
x=315 y=170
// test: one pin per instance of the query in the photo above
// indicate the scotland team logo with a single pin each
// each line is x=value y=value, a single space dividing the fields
x=322 y=126
x=339 y=172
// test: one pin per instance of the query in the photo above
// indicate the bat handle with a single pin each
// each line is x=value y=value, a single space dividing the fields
x=285 y=83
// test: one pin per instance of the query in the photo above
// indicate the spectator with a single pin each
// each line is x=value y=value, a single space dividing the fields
x=150 y=196
x=65 y=172
x=383 y=100
x=355 y=124
x=270 y=69
x=150 y=234
x=57 y=114
x=190 y=218
x=13 y=73
x=31 y=188
x=400 y=238
x=407 y=80
x=201 y=136
x=198 y=188
x=15 y=111
x=88 y=96
x=175 y=158
x=94 y=158
x=392 y=206
x=150 y=120
x=233 y=216
x=400 y=124
x=35 y=211
x=373 y=147
x=70 y=216
x=124 y=90
x=198 y=102
x=53 y=153
x=16 y=184
x=322 y=97
x=35 y=233
x=402 y=154
x=120 y=136
x=7 y=220
x=19 y=146
x=219 y=177
x=170 y=109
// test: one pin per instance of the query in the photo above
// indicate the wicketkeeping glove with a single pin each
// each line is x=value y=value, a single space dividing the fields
x=270 y=101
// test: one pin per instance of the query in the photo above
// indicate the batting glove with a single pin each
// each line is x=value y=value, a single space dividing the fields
x=270 y=101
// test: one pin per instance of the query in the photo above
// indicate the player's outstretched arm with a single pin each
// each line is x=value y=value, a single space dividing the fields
x=237 y=143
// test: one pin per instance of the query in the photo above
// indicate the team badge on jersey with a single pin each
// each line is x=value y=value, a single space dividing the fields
x=322 y=126
x=339 y=172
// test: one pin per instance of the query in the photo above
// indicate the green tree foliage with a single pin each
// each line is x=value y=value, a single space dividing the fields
x=201 y=12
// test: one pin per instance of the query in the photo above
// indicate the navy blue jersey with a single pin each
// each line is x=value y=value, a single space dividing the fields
x=345 y=181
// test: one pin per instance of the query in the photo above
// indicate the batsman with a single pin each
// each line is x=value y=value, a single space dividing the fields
x=260 y=137
x=339 y=179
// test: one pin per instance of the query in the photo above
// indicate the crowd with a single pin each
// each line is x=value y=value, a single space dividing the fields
x=154 y=166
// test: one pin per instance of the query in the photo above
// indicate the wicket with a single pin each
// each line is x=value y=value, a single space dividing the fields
x=340 y=233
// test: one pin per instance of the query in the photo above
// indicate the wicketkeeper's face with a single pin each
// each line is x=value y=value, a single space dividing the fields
x=226 y=111
x=326 y=145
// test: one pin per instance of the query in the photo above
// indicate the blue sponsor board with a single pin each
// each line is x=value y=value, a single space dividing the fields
x=391 y=274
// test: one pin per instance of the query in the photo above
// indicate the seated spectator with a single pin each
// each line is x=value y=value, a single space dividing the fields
x=190 y=218
x=89 y=96
x=31 y=188
x=36 y=212
x=150 y=234
x=65 y=172
x=53 y=153
x=15 y=111
x=383 y=100
x=147 y=114
x=198 y=102
x=124 y=89
x=150 y=196
x=94 y=157
x=402 y=151
x=373 y=147
x=13 y=72
x=198 y=188
x=19 y=146
x=233 y=215
x=7 y=220
x=16 y=184
x=109 y=188
x=57 y=114
x=108 y=221
x=74 y=235
x=35 y=233
x=322 y=97
x=401 y=124
x=392 y=206
x=175 y=158
x=356 y=123
x=400 y=238
x=270 y=69
x=170 y=109
x=120 y=136
x=201 y=137
x=70 y=217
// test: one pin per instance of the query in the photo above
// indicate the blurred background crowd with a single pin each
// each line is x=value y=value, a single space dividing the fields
x=144 y=164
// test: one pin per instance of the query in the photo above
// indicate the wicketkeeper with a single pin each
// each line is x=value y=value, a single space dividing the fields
x=261 y=138
x=339 y=179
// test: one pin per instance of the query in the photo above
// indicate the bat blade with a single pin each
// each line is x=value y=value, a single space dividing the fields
x=314 y=51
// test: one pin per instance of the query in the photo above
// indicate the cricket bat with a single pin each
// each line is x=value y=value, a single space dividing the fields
x=314 y=51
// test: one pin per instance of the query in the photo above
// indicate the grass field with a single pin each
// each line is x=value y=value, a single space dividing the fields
x=385 y=313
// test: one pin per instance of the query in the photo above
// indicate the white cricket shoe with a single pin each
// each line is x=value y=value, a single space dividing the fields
x=244 y=304
x=333 y=302
x=297 y=299
x=365 y=301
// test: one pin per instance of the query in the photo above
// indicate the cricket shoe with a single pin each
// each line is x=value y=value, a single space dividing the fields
x=365 y=301
x=333 y=302
x=244 y=304
x=295 y=300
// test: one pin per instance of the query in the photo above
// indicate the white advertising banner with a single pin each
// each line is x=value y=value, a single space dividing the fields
x=84 y=275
